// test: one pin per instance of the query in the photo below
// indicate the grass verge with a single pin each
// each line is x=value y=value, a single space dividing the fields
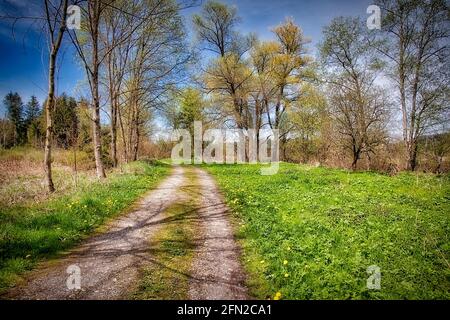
x=31 y=233
x=311 y=233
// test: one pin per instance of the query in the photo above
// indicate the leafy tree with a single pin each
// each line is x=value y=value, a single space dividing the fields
x=14 y=108
x=229 y=78
x=65 y=127
x=66 y=122
x=190 y=107
x=437 y=147
x=33 y=113
x=33 y=110
x=288 y=65
x=308 y=116
x=264 y=88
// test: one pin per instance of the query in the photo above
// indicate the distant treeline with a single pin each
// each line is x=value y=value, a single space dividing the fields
x=25 y=124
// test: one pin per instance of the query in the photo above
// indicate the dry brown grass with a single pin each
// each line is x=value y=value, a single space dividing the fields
x=22 y=175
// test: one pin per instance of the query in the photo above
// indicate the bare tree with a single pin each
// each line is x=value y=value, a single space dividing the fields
x=156 y=64
x=56 y=27
x=359 y=107
x=417 y=48
x=215 y=27
x=227 y=76
x=118 y=41
x=87 y=44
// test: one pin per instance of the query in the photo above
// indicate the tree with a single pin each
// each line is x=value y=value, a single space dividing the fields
x=118 y=41
x=33 y=110
x=157 y=64
x=308 y=116
x=32 y=114
x=7 y=131
x=264 y=87
x=229 y=78
x=288 y=67
x=228 y=75
x=437 y=147
x=282 y=66
x=87 y=44
x=14 y=107
x=55 y=18
x=359 y=106
x=417 y=48
x=189 y=108
x=215 y=27
x=66 y=121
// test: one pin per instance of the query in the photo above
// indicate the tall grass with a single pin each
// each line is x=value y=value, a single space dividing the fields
x=22 y=174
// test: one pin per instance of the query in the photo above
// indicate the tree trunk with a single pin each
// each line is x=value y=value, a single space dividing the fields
x=356 y=154
x=49 y=125
x=122 y=129
x=96 y=128
x=258 y=120
x=412 y=156
x=55 y=45
x=136 y=144
x=438 y=169
x=136 y=135
x=114 y=133
x=354 y=163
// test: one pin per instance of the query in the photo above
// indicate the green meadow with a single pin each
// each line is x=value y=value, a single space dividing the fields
x=312 y=233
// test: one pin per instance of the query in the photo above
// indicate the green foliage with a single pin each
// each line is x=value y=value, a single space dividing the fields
x=8 y=131
x=33 y=110
x=65 y=128
x=29 y=234
x=308 y=117
x=189 y=108
x=311 y=233
x=14 y=107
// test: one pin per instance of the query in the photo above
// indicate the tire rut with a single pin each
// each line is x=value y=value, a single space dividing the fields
x=216 y=272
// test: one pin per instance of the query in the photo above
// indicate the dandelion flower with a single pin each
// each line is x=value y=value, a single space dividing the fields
x=285 y=262
x=286 y=275
x=277 y=296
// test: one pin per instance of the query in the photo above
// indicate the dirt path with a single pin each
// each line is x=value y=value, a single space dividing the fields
x=216 y=272
x=110 y=262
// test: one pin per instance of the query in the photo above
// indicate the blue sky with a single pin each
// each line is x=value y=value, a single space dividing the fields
x=23 y=64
